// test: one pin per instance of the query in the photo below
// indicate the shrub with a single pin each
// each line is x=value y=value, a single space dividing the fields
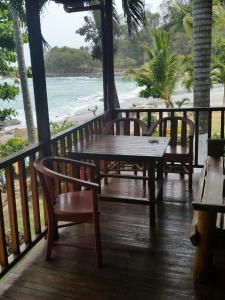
x=14 y=144
x=56 y=127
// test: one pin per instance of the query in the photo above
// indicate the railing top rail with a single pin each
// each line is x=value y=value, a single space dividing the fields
x=31 y=149
x=66 y=132
x=187 y=109
x=19 y=155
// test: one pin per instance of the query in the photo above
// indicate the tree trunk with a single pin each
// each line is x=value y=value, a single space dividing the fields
x=202 y=27
x=23 y=77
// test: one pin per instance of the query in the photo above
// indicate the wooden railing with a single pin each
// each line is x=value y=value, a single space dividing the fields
x=214 y=116
x=22 y=213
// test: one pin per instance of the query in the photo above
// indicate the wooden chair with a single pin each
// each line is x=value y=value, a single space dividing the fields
x=125 y=126
x=77 y=204
x=179 y=154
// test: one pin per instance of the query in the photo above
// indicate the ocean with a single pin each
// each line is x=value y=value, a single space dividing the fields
x=71 y=96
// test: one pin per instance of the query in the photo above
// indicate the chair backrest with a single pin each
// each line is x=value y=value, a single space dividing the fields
x=179 y=129
x=125 y=126
x=47 y=180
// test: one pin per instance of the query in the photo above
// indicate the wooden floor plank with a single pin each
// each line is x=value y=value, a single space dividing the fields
x=139 y=262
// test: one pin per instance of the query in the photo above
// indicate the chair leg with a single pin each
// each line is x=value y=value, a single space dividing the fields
x=106 y=170
x=49 y=242
x=98 y=247
x=190 y=176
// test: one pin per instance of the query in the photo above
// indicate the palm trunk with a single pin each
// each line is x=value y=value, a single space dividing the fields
x=23 y=77
x=202 y=26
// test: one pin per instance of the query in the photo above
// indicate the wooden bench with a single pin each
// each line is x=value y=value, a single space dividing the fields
x=209 y=209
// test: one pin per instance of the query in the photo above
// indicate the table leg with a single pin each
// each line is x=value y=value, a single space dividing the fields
x=160 y=178
x=151 y=188
x=97 y=163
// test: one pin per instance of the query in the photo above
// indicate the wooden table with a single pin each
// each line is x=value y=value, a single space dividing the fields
x=148 y=150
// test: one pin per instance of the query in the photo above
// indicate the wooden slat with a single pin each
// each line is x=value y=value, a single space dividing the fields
x=209 y=124
x=160 y=125
x=222 y=125
x=214 y=181
x=149 y=119
x=69 y=142
x=64 y=167
x=3 y=250
x=196 y=136
x=212 y=195
x=35 y=196
x=55 y=168
x=24 y=202
x=9 y=171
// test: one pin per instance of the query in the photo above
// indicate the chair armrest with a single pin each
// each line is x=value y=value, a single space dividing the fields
x=70 y=179
x=71 y=161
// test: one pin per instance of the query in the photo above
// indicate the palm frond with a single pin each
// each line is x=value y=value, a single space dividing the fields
x=134 y=13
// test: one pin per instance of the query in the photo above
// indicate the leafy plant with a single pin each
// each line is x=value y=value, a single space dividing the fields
x=56 y=127
x=180 y=103
x=158 y=75
x=14 y=144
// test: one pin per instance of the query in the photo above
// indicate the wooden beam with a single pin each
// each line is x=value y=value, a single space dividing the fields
x=104 y=57
x=38 y=69
x=71 y=9
x=110 y=59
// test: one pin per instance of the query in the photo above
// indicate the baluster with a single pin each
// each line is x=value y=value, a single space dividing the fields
x=210 y=124
x=160 y=125
x=55 y=168
x=69 y=143
x=10 y=188
x=75 y=138
x=35 y=195
x=64 y=166
x=149 y=122
x=222 y=125
x=196 y=135
x=24 y=201
x=3 y=246
x=86 y=133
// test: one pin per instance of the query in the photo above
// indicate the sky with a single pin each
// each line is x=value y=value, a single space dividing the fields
x=59 y=28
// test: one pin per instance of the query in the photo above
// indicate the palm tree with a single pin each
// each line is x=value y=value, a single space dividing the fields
x=218 y=75
x=133 y=12
x=158 y=75
x=23 y=76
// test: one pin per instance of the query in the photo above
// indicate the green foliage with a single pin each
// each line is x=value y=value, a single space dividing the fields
x=56 y=127
x=69 y=61
x=6 y=114
x=180 y=103
x=158 y=74
x=8 y=92
x=14 y=144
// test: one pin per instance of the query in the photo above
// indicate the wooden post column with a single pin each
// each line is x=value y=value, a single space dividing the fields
x=104 y=57
x=38 y=70
x=110 y=60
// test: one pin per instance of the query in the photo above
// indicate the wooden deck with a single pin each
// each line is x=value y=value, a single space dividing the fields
x=139 y=263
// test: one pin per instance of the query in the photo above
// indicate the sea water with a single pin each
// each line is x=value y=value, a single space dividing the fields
x=71 y=96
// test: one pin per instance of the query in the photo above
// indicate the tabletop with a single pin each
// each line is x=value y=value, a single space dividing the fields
x=121 y=148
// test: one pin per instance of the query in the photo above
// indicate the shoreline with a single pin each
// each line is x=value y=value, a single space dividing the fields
x=83 y=115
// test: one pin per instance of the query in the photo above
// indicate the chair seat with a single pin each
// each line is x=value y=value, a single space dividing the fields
x=177 y=153
x=73 y=204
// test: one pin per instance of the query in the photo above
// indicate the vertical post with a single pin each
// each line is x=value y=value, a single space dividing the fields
x=104 y=57
x=110 y=62
x=38 y=69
